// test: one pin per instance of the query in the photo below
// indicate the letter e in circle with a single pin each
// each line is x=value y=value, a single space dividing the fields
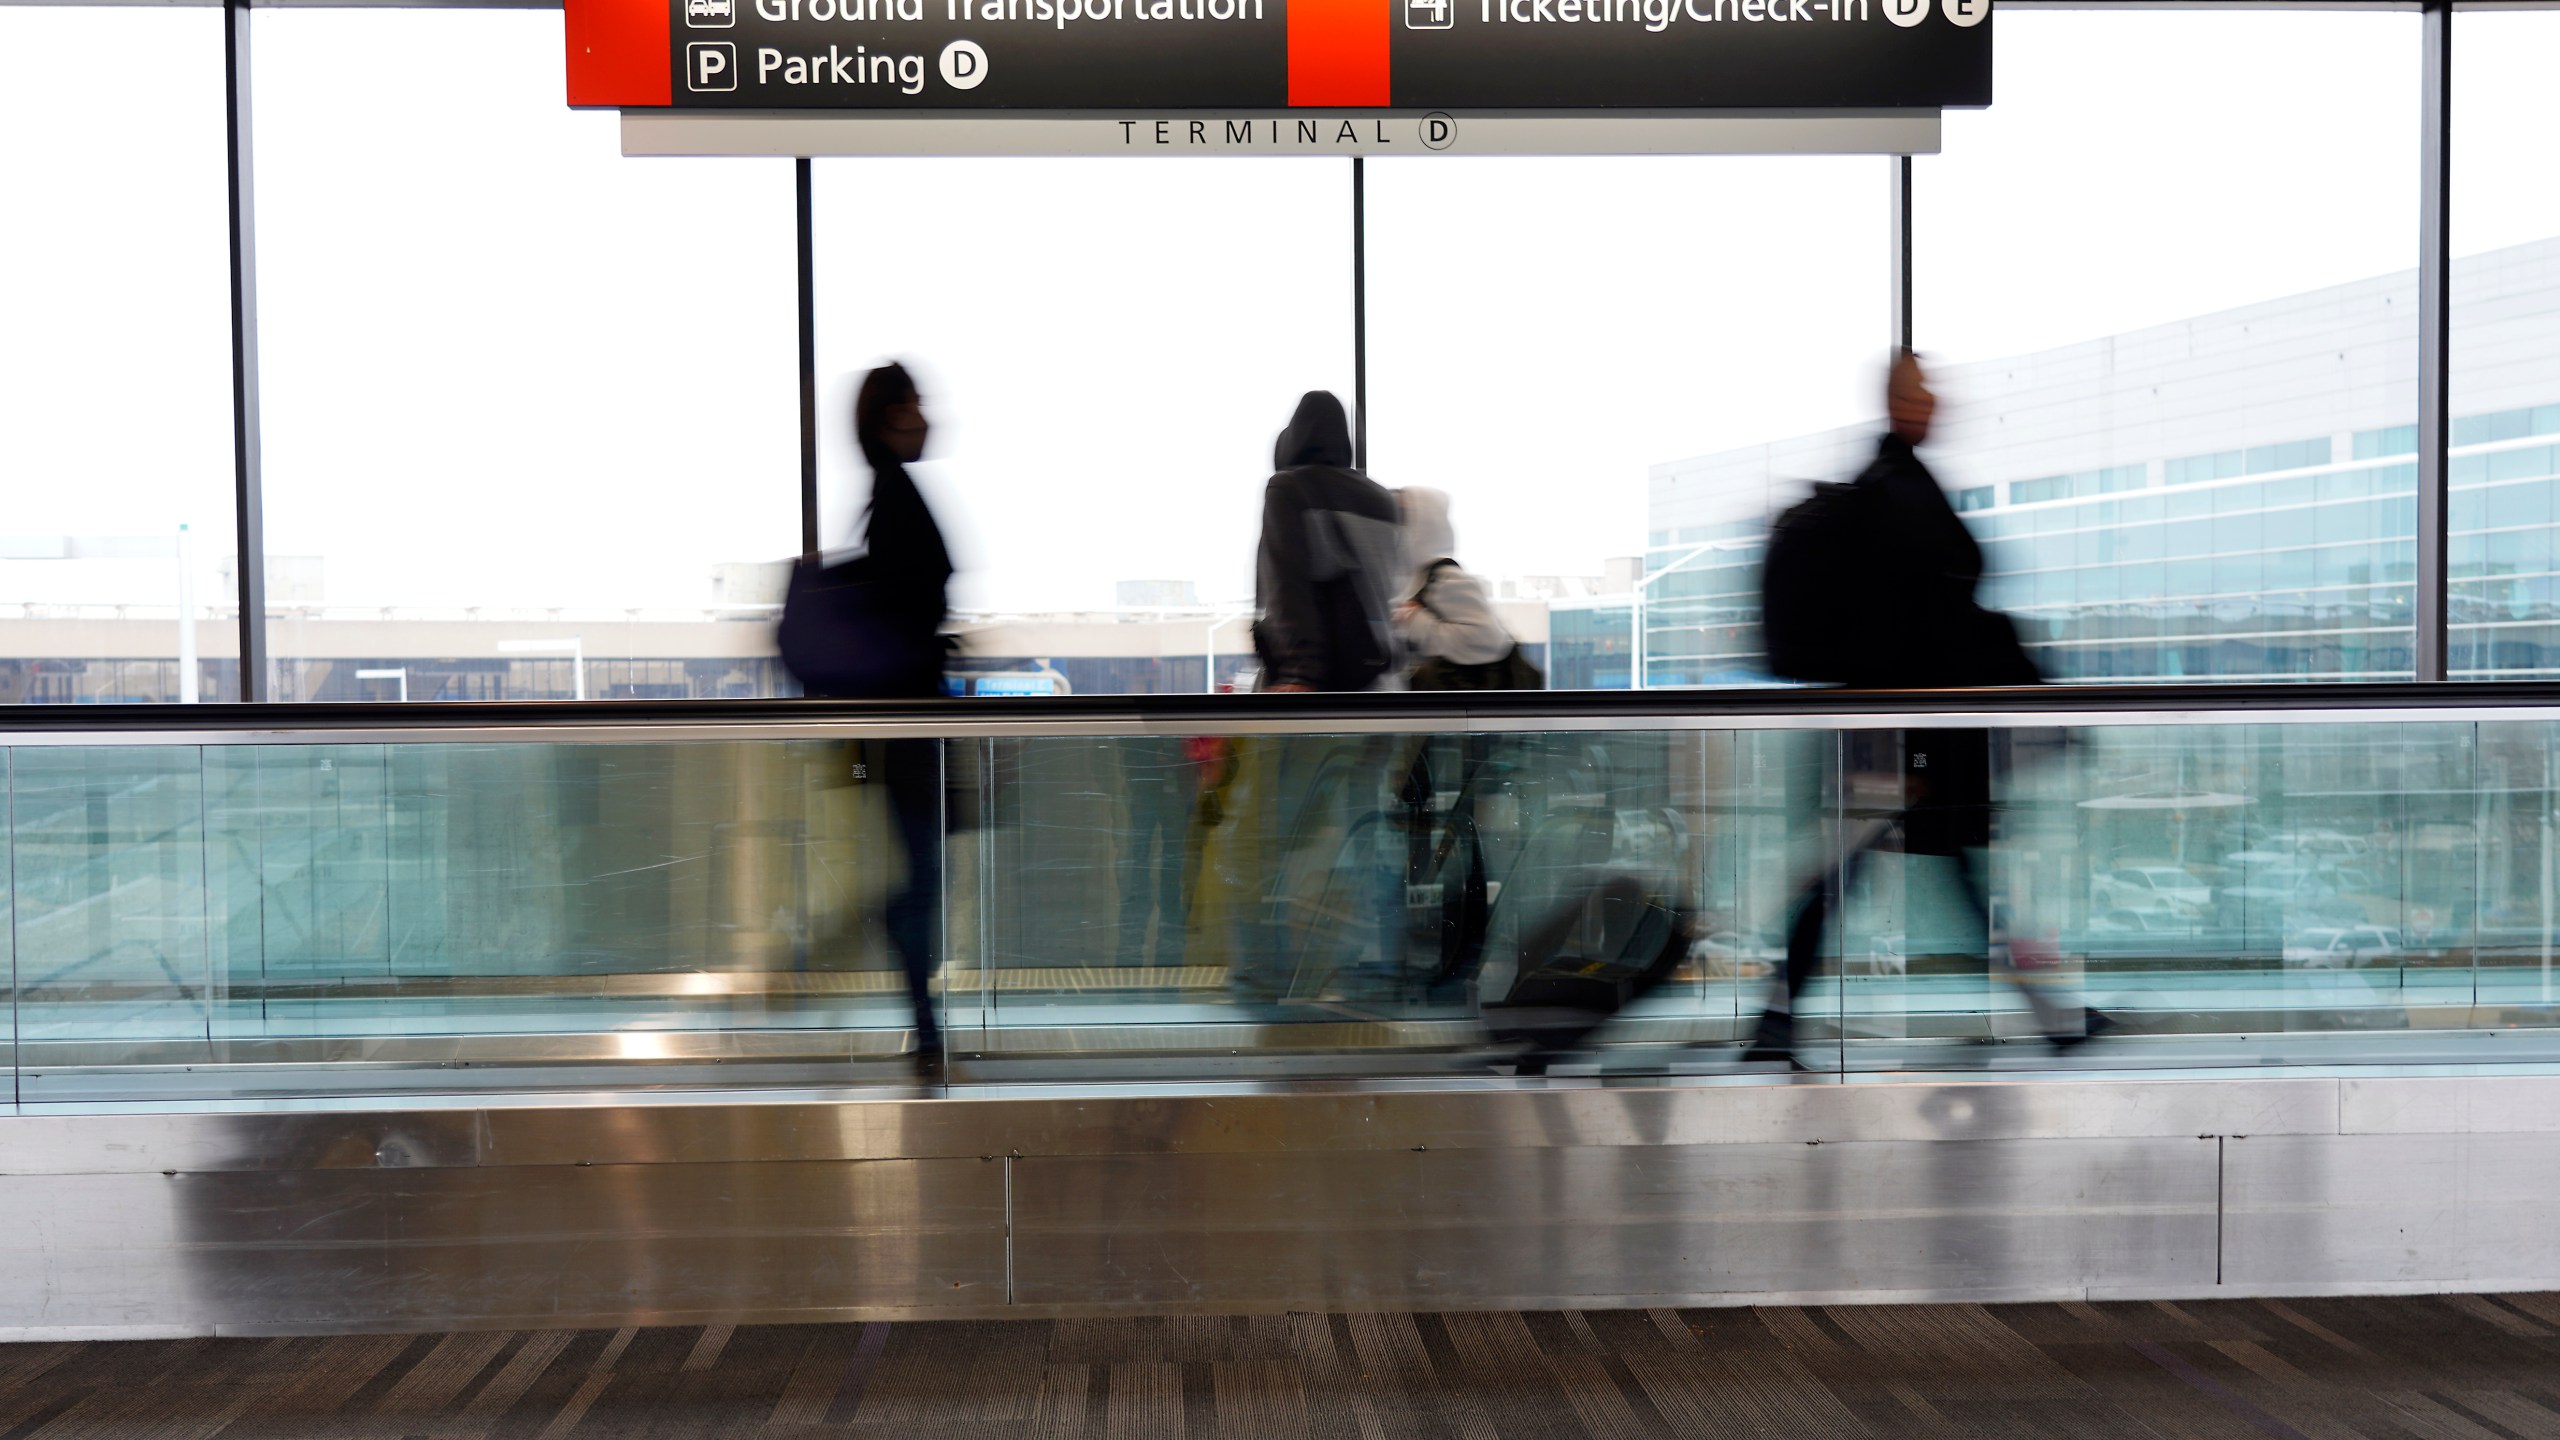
x=1906 y=13
x=964 y=65
x=1967 y=12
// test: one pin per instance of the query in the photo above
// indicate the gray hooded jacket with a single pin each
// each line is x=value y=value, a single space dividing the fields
x=1327 y=572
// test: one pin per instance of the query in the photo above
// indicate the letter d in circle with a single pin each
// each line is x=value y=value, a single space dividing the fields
x=1439 y=132
x=1906 y=13
x=964 y=65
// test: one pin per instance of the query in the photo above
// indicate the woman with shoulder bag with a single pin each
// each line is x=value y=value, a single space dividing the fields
x=1448 y=624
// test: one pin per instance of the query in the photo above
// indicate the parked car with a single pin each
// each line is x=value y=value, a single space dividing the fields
x=2341 y=947
x=2150 y=887
x=1726 y=953
x=2141 y=922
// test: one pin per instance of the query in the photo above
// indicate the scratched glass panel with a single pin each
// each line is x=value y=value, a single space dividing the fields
x=1362 y=903
x=110 y=913
x=362 y=919
x=350 y=919
x=2226 y=895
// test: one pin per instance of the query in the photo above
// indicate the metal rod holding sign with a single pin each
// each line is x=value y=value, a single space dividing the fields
x=1359 y=314
x=1900 y=201
x=808 y=262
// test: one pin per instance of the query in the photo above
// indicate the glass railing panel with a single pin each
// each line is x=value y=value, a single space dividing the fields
x=427 y=914
x=2517 y=864
x=2226 y=894
x=112 y=917
x=354 y=918
x=1329 y=894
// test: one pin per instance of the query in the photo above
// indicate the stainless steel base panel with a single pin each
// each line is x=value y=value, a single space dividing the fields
x=735 y=1210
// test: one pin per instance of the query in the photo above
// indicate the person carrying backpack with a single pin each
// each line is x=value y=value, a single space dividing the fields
x=1326 y=573
x=1447 y=624
x=1326 y=568
x=1872 y=585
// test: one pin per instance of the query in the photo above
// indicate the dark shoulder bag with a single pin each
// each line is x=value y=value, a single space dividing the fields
x=840 y=639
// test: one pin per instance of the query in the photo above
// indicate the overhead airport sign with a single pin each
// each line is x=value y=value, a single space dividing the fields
x=1115 y=70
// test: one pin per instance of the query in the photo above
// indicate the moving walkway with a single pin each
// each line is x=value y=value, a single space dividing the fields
x=416 y=1016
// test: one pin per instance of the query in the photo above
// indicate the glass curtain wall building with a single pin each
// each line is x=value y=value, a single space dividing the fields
x=2272 y=538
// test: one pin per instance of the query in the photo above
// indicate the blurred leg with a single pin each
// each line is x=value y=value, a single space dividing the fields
x=1775 y=1039
x=915 y=912
x=2059 y=1012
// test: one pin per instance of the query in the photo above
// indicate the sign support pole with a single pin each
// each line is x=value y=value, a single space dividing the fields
x=808 y=262
x=2435 y=293
x=1900 y=240
x=247 y=452
x=1359 y=314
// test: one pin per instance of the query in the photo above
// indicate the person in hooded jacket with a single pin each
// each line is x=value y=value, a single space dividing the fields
x=912 y=573
x=1326 y=571
x=1326 y=574
x=1934 y=634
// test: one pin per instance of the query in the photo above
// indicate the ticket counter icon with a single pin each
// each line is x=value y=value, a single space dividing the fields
x=1428 y=14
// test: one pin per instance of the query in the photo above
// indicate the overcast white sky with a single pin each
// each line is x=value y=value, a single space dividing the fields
x=506 y=366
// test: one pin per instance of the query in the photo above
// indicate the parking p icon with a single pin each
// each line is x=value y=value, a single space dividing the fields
x=713 y=65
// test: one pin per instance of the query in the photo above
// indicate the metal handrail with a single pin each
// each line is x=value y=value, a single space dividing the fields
x=1760 y=708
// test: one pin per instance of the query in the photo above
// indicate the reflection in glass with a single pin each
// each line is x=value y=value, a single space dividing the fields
x=252 y=919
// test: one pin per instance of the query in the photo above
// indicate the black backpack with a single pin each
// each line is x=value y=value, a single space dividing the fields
x=1826 y=588
x=1355 y=654
x=1512 y=672
x=1842 y=603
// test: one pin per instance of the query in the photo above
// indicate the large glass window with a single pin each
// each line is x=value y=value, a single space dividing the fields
x=531 y=408
x=115 y=359
x=1107 y=349
x=2169 y=280
x=1606 y=358
x=2504 y=586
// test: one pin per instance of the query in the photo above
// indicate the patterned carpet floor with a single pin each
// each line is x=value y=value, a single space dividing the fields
x=2443 y=1368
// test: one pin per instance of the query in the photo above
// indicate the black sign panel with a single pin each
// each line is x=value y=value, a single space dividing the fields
x=1683 y=54
x=1533 y=56
x=976 y=54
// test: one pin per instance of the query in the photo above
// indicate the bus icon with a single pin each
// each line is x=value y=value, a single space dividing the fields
x=710 y=14
x=1428 y=14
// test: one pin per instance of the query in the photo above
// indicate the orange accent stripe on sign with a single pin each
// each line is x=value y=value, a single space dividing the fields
x=1338 y=52
x=617 y=52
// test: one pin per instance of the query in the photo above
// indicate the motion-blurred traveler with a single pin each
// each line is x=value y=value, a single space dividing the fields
x=1159 y=797
x=1871 y=584
x=1454 y=641
x=1326 y=571
x=1446 y=621
x=871 y=628
x=1300 y=811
